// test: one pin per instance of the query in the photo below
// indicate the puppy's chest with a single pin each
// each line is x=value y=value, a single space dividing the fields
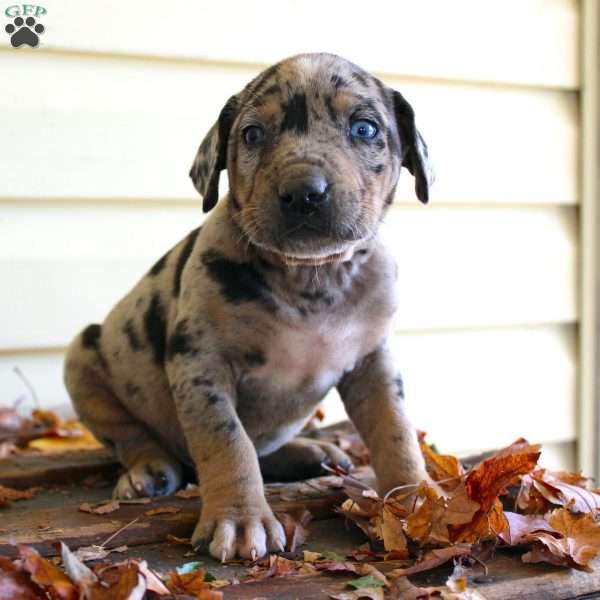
x=311 y=357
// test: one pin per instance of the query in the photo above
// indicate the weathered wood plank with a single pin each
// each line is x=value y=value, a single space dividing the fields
x=23 y=471
x=41 y=526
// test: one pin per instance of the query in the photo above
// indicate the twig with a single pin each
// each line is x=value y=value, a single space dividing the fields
x=116 y=533
x=28 y=385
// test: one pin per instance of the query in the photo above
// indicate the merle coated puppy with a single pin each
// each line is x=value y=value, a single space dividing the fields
x=220 y=354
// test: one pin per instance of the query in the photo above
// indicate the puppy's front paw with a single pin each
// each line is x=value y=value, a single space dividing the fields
x=247 y=531
x=154 y=477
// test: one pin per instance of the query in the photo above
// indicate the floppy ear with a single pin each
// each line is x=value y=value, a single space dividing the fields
x=211 y=158
x=415 y=156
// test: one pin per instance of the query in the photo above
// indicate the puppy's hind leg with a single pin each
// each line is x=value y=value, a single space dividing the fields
x=151 y=471
x=302 y=458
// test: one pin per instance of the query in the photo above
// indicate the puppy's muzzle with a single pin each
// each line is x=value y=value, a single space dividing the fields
x=302 y=196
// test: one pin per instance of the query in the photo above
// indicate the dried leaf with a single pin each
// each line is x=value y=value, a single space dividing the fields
x=83 y=576
x=390 y=531
x=295 y=524
x=47 y=575
x=403 y=589
x=193 y=583
x=8 y=495
x=102 y=508
x=579 y=545
x=16 y=584
x=122 y=581
x=520 y=526
x=93 y=552
x=191 y=491
x=574 y=497
x=440 y=466
x=153 y=581
x=161 y=510
x=432 y=559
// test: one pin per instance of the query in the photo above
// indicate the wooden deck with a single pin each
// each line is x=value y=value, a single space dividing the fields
x=68 y=481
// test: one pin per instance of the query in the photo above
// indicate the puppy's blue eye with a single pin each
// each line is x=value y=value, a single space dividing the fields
x=253 y=135
x=363 y=129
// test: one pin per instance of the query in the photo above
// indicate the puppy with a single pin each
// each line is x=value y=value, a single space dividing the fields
x=220 y=354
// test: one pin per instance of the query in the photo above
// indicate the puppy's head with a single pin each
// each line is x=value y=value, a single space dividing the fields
x=313 y=148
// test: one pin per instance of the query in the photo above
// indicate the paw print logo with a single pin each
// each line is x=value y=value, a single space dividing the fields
x=24 y=32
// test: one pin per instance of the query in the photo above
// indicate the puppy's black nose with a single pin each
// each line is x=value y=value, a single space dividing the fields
x=303 y=195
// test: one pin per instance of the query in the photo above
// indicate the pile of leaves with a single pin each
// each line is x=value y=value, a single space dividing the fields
x=32 y=577
x=41 y=431
x=505 y=500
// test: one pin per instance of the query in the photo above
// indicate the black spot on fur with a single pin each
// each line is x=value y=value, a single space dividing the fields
x=255 y=358
x=180 y=341
x=240 y=282
x=295 y=115
x=330 y=109
x=399 y=386
x=159 y=265
x=131 y=389
x=272 y=89
x=90 y=338
x=360 y=78
x=183 y=258
x=229 y=426
x=214 y=398
x=132 y=337
x=338 y=82
x=377 y=168
x=155 y=326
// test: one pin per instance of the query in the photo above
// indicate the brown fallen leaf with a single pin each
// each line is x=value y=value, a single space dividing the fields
x=102 y=508
x=178 y=540
x=16 y=584
x=193 y=584
x=432 y=559
x=402 y=589
x=580 y=542
x=562 y=493
x=161 y=510
x=520 y=526
x=122 y=581
x=191 y=491
x=488 y=480
x=95 y=552
x=77 y=572
x=441 y=467
x=8 y=495
x=47 y=575
x=295 y=524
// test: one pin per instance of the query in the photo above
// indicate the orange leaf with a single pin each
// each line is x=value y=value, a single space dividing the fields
x=47 y=575
x=9 y=495
x=432 y=559
x=441 y=466
x=562 y=493
x=579 y=545
x=294 y=524
x=161 y=510
x=16 y=584
x=119 y=582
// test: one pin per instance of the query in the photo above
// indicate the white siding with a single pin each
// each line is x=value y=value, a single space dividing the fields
x=100 y=124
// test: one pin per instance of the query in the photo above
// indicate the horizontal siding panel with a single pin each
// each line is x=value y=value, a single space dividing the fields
x=66 y=265
x=469 y=390
x=483 y=389
x=130 y=129
x=43 y=370
x=533 y=42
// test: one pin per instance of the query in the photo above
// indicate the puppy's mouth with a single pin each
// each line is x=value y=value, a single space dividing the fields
x=293 y=260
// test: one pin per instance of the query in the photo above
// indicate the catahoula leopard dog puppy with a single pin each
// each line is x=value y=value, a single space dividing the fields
x=221 y=353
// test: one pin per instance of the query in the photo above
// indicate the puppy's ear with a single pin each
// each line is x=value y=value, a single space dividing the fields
x=211 y=158
x=415 y=156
